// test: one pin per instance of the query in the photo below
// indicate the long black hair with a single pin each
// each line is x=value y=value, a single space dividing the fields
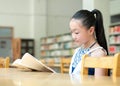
x=93 y=18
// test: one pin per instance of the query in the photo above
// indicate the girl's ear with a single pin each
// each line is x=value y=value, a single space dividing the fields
x=91 y=30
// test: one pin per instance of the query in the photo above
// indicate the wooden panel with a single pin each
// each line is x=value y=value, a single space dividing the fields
x=116 y=68
x=4 y=62
x=103 y=62
x=107 y=62
x=16 y=48
x=22 y=46
x=65 y=62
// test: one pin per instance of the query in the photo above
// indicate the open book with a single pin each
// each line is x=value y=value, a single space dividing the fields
x=31 y=63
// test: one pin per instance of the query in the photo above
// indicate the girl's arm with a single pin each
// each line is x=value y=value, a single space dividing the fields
x=98 y=54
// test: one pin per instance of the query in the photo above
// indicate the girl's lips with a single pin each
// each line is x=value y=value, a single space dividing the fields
x=76 y=41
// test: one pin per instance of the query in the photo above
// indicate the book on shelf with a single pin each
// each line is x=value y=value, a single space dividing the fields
x=114 y=49
x=115 y=29
x=30 y=63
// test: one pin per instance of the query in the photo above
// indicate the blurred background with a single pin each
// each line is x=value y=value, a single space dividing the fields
x=41 y=27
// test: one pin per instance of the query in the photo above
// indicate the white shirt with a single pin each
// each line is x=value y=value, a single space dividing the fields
x=78 y=67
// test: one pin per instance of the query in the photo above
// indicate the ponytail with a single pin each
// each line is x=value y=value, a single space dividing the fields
x=95 y=19
x=99 y=29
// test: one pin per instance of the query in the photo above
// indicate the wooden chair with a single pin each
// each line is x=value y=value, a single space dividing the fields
x=43 y=61
x=4 y=62
x=50 y=62
x=65 y=63
x=107 y=62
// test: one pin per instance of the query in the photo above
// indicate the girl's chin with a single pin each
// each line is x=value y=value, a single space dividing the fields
x=78 y=44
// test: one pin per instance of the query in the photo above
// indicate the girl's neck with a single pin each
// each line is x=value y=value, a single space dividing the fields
x=89 y=43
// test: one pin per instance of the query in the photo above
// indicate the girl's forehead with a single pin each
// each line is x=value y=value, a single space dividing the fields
x=76 y=21
x=76 y=24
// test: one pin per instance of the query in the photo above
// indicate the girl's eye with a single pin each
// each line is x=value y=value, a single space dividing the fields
x=76 y=33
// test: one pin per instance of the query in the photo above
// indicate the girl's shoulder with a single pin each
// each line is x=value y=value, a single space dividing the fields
x=99 y=51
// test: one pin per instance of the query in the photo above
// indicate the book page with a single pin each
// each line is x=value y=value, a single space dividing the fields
x=28 y=61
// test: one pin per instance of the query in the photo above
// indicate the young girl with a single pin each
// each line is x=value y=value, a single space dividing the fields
x=88 y=32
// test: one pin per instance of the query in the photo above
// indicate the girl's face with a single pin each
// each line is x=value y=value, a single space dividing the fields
x=80 y=33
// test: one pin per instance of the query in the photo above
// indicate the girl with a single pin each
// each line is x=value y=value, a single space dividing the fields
x=88 y=32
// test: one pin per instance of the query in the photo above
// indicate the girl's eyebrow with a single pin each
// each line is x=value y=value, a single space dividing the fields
x=73 y=30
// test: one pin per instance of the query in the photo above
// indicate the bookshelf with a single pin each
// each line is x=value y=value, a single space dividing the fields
x=55 y=47
x=21 y=46
x=114 y=38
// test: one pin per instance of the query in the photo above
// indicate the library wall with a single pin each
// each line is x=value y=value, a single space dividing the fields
x=59 y=14
x=39 y=20
x=114 y=7
x=16 y=13
x=27 y=17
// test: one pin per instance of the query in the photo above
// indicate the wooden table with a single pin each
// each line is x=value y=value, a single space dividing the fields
x=17 y=77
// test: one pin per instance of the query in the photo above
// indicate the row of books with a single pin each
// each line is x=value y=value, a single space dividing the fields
x=115 y=29
x=65 y=45
x=54 y=60
x=56 y=39
x=114 y=39
x=114 y=49
x=57 y=53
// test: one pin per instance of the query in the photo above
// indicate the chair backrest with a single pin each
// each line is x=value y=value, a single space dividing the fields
x=107 y=62
x=50 y=62
x=43 y=61
x=65 y=63
x=4 y=62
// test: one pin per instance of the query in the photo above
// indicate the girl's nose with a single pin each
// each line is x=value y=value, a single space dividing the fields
x=74 y=37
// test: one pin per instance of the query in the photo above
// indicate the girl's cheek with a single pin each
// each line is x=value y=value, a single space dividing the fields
x=73 y=35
